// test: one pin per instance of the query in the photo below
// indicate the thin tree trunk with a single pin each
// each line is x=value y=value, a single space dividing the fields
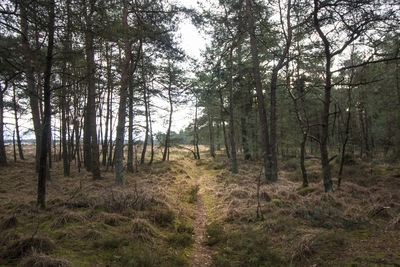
x=109 y=92
x=19 y=144
x=167 y=136
x=3 y=155
x=211 y=135
x=231 y=115
x=119 y=145
x=228 y=154
x=146 y=113
x=30 y=81
x=43 y=170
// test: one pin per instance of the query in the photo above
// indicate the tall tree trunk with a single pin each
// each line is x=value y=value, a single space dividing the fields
x=326 y=168
x=3 y=156
x=109 y=92
x=151 y=132
x=43 y=170
x=30 y=81
x=260 y=96
x=90 y=139
x=119 y=143
x=231 y=115
x=20 y=151
x=146 y=114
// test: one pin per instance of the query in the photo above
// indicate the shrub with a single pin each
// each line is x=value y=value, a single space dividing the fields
x=215 y=233
x=194 y=189
x=180 y=239
x=23 y=247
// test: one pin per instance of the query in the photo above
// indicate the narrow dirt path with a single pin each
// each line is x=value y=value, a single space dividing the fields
x=202 y=255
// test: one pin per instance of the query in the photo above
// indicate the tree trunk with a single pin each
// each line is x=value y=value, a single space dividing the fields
x=30 y=81
x=211 y=135
x=43 y=168
x=146 y=113
x=109 y=92
x=228 y=154
x=326 y=168
x=260 y=96
x=119 y=143
x=167 y=136
x=90 y=139
x=19 y=144
x=3 y=156
x=231 y=115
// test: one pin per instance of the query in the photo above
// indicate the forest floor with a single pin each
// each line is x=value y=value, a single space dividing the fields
x=189 y=212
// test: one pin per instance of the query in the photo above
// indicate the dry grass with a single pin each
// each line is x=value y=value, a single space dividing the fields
x=42 y=260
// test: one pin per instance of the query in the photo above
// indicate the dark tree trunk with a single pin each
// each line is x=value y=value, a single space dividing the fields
x=211 y=135
x=151 y=132
x=19 y=144
x=90 y=139
x=30 y=81
x=326 y=168
x=109 y=92
x=228 y=154
x=167 y=136
x=146 y=113
x=196 y=134
x=231 y=115
x=43 y=168
x=3 y=156
x=119 y=143
x=260 y=96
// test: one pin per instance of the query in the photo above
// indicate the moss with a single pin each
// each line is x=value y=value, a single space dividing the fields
x=110 y=242
x=276 y=201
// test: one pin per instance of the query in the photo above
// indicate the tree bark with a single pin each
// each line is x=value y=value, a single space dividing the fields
x=231 y=115
x=30 y=81
x=3 y=156
x=167 y=136
x=43 y=167
x=326 y=168
x=119 y=143
x=260 y=96
x=19 y=144
x=90 y=139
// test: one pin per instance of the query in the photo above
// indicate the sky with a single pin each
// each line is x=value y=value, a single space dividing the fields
x=192 y=42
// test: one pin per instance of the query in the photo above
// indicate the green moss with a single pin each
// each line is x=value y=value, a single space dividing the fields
x=276 y=201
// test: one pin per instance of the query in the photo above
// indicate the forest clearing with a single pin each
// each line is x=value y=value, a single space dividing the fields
x=185 y=212
x=200 y=133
